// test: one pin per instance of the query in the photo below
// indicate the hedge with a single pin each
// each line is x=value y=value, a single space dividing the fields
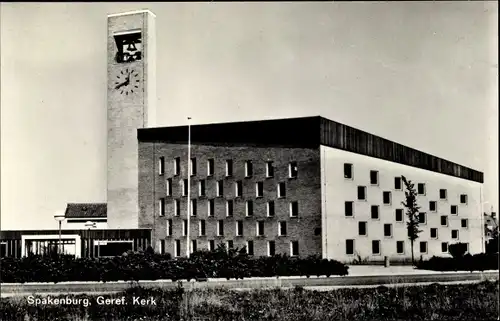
x=232 y=264
x=477 y=262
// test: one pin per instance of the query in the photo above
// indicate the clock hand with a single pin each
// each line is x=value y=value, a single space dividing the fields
x=121 y=85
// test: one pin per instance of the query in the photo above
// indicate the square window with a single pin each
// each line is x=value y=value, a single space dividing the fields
x=465 y=223
x=211 y=245
x=229 y=208
x=421 y=188
x=434 y=233
x=463 y=199
x=270 y=209
x=248 y=169
x=294 y=248
x=399 y=215
x=349 y=247
x=169 y=227
x=239 y=228
x=271 y=248
x=349 y=209
x=397 y=183
x=444 y=247
x=194 y=208
x=442 y=194
x=249 y=208
x=260 y=228
x=259 y=189
x=220 y=188
x=238 y=188
x=177 y=166
x=374 y=177
x=294 y=209
x=375 y=212
x=422 y=218
x=361 y=193
x=192 y=167
x=177 y=207
x=220 y=228
x=454 y=234
x=432 y=206
x=454 y=209
x=184 y=187
x=161 y=166
x=376 y=247
x=423 y=247
x=281 y=190
x=201 y=188
x=282 y=228
x=269 y=169
x=388 y=230
x=362 y=228
x=193 y=246
x=161 y=207
x=177 y=248
x=210 y=207
x=292 y=170
x=250 y=247
x=348 y=171
x=169 y=187
x=210 y=167
x=202 y=227
x=444 y=220
x=400 y=247
x=387 y=198
x=229 y=167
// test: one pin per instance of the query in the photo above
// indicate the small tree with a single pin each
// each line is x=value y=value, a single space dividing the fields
x=457 y=250
x=412 y=213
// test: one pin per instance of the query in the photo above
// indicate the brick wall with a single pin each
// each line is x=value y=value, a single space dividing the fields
x=305 y=189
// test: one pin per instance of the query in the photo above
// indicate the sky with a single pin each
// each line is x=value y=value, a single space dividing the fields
x=423 y=74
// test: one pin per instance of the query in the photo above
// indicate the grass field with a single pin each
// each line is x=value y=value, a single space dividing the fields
x=478 y=301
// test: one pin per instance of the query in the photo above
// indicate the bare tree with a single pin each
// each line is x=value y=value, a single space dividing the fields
x=412 y=213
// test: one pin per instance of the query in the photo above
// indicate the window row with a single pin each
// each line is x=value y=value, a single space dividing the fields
x=249 y=208
x=292 y=167
x=363 y=231
x=386 y=195
x=374 y=180
x=399 y=212
x=374 y=176
x=239 y=228
x=271 y=247
x=422 y=219
x=400 y=247
x=219 y=185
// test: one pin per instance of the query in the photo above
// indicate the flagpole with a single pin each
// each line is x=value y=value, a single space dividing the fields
x=188 y=241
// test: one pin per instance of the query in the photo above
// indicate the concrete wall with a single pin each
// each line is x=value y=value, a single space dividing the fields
x=336 y=190
x=127 y=113
x=305 y=189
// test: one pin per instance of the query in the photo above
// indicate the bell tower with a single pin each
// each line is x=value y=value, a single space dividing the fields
x=131 y=104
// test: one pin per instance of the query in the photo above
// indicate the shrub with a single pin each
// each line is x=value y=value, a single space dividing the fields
x=457 y=250
x=135 y=266
x=477 y=262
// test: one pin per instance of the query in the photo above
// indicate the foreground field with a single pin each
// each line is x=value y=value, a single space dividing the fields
x=477 y=301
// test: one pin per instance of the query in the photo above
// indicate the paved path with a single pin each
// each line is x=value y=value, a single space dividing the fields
x=358 y=276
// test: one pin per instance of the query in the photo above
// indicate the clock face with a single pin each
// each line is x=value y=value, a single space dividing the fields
x=127 y=81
